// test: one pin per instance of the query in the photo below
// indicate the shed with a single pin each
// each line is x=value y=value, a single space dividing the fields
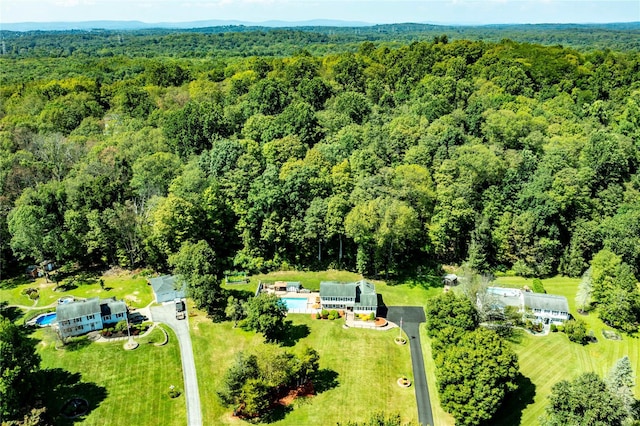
x=294 y=287
x=280 y=286
x=450 y=279
x=167 y=288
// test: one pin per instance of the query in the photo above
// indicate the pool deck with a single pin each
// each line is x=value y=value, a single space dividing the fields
x=311 y=300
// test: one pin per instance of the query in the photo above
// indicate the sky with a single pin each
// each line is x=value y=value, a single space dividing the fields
x=370 y=11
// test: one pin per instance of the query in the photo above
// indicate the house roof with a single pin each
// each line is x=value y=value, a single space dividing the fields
x=336 y=289
x=450 y=277
x=164 y=284
x=548 y=302
x=295 y=284
x=367 y=291
x=77 y=309
x=112 y=307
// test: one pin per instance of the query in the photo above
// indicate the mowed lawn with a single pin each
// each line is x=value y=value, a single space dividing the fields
x=366 y=364
x=121 y=285
x=122 y=387
x=545 y=360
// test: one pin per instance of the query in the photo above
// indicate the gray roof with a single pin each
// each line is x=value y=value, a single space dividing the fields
x=336 y=289
x=363 y=291
x=112 y=307
x=163 y=284
x=77 y=309
x=549 y=302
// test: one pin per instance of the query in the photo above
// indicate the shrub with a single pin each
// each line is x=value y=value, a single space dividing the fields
x=120 y=326
x=325 y=314
x=553 y=328
x=318 y=315
x=576 y=331
x=372 y=316
x=537 y=286
x=333 y=315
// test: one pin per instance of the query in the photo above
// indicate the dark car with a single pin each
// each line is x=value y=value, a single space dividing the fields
x=181 y=309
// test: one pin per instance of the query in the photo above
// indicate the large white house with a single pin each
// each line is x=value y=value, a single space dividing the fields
x=359 y=297
x=83 y=316
x=538 y=307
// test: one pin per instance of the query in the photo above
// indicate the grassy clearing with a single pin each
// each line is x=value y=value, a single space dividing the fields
x=122 y=387
x=123 y=285
x=367 y=363
x=546 y=360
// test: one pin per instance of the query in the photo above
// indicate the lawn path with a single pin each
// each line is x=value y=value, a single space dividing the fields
x=166 y=314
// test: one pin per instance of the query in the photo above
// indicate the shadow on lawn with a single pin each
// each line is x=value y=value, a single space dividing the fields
x=10 y=312
x=76 y=343
x=59 y=386
x=510 y=412
x=324 y=380
x=295 y=333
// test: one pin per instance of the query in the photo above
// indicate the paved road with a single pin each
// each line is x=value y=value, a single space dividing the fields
x=167 y=314
x=411 y=317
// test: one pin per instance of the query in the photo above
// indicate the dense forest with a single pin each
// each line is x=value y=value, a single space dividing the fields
x=384 y=160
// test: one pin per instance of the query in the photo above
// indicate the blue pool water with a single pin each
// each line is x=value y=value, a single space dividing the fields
x=295 y=302
x=46 y=319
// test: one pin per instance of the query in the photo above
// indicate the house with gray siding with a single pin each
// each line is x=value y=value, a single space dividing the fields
x=359 y=297
x=167 y=288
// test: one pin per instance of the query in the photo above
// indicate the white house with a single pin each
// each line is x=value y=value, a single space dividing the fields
x=83 y=316
x=539 y=307
x=547 y=308
x=359 y=297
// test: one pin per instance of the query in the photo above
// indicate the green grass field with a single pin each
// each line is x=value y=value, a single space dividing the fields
x=367 y=363
x=545 y=360
x=123 y=285
x=122 y=387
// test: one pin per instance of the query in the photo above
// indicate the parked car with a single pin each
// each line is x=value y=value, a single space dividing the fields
x=181 y=309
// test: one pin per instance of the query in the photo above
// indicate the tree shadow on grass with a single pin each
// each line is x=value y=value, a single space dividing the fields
x=13 y=282
x=277 y=413
x=294 y=333
x=12 y=313
x=59 y=386
x=238 y=293
x=510 y=412
x=76 y=343
x=324 y=380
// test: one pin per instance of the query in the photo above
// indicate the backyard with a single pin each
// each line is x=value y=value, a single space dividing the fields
x=116 y=283
x=125 y=387
x=545 y=360
x=365 y=365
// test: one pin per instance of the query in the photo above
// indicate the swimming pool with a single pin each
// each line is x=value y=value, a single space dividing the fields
x=504 y=292
x=46 y=319
x=295 y=302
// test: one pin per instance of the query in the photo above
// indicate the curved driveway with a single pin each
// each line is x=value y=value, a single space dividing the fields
x=411 y=317
x=167 y=314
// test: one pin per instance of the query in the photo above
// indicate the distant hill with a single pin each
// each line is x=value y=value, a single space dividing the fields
x=138 y=25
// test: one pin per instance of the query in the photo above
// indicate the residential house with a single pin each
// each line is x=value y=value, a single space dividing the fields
x=538 y=307
x=167 y=288
x=82 y=316
x=547 y=308
x=359 y=297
